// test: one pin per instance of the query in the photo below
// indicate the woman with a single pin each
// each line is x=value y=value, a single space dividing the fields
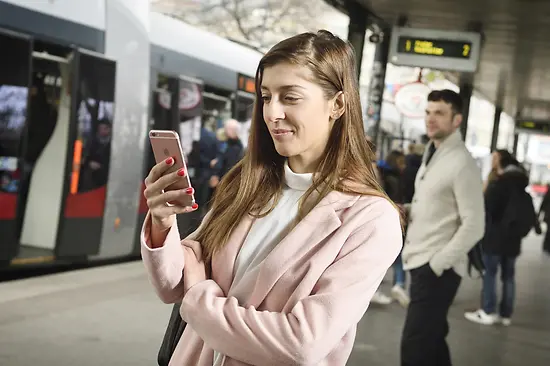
x=510 y=216
x=299 y=235
x=493 y=173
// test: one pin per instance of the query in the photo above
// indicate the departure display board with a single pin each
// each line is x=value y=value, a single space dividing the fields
x=434 y=49
x=532 y=126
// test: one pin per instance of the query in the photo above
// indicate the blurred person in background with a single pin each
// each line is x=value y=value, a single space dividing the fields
x=231 y=155
x=392 y=182
x=379 y=297
x=413 y=161
x=510 y=217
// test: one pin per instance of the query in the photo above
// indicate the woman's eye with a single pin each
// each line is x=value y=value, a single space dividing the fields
x=291 y=98
x=265 y=98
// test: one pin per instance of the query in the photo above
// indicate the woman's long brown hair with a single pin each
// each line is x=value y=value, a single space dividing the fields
x=254 y=185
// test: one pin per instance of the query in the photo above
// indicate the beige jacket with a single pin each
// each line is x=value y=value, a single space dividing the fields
x=447 y=215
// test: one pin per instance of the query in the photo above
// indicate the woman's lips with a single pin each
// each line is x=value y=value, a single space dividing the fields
x=280 y=133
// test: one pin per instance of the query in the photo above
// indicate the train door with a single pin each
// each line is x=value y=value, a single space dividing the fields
x=244 y=98
x=42 y=143
x=92 y=107
x=15 y=84
x=66 y=192
x=244 y=105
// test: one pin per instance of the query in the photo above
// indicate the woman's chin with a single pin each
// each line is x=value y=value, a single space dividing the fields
x=283 y=150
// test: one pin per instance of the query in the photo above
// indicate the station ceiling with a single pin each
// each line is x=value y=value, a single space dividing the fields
x=515 y=48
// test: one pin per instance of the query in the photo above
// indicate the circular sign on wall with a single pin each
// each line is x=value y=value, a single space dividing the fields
x=411 y=99
x=190 y=96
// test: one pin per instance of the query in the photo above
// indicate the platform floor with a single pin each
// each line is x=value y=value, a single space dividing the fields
x=110 y=316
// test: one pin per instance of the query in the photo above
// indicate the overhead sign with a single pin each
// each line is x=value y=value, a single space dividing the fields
x=531 y=126
x=411 y=99
x=435 y=49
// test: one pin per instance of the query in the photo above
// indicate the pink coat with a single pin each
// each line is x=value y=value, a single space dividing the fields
x=311 y=291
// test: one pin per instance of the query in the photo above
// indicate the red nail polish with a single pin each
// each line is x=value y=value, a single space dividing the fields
x=169 y=161
x=181 y=172
x=195 y=206
x=189 y=190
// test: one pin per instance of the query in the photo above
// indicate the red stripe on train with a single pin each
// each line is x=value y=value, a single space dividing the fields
x=89 y=204
x=8 y=204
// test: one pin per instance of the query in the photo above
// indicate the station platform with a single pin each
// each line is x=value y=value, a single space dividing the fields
x=110 y=316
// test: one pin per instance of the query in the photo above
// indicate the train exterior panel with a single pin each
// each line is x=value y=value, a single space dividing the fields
x=172 y=34
x=127 y=42
x=115 y=58
x=65 y=21
x=91 y=13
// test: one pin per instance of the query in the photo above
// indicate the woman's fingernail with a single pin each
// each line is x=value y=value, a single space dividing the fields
x=189 y=190
x=169 y=161
x=195 y=206
x=181 y=172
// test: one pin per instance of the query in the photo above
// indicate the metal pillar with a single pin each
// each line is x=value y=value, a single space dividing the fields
x=377 y=86
x=498 y=109
x=356 y=31
x=466 y=89
x=466 y=82
x=515 y=146
x=496 y=125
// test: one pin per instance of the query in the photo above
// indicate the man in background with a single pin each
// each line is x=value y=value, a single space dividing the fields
x=446 y=220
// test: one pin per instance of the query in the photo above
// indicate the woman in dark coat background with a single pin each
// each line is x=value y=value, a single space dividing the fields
x=510 y=217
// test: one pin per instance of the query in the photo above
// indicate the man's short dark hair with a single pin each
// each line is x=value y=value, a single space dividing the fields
x=448 y=96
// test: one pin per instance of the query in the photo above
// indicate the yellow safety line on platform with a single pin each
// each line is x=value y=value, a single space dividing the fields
x=33 y=260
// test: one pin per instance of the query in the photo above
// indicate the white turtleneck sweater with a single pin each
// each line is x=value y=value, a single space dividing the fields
x=264 y=236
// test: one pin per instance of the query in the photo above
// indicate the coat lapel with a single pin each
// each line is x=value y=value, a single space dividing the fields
x=224 y=261
x=321 y=221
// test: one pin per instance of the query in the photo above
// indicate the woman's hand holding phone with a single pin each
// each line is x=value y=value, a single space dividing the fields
x=162 y=213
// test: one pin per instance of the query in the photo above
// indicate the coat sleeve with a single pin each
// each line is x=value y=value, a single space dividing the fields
x=164 y=265
x=316 y=324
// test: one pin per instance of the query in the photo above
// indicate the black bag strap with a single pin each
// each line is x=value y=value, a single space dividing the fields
x=173 y=333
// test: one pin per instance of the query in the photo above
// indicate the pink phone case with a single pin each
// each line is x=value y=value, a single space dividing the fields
x=166 y=144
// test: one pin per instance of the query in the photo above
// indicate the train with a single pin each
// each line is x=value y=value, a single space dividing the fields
x=81 y=84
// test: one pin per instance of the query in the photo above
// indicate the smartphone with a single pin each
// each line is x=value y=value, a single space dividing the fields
x=166 y=144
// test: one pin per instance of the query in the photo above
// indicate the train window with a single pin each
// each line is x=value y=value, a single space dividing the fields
x=15 y=68
x=165 y=93
x=94 y=119
x=190 y=106
x=244 y=105
x=164 y=113
x=177 y=105
x=43 y=108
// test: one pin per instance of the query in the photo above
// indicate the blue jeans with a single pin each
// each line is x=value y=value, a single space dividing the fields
x=398 y=272
x=507 y=276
